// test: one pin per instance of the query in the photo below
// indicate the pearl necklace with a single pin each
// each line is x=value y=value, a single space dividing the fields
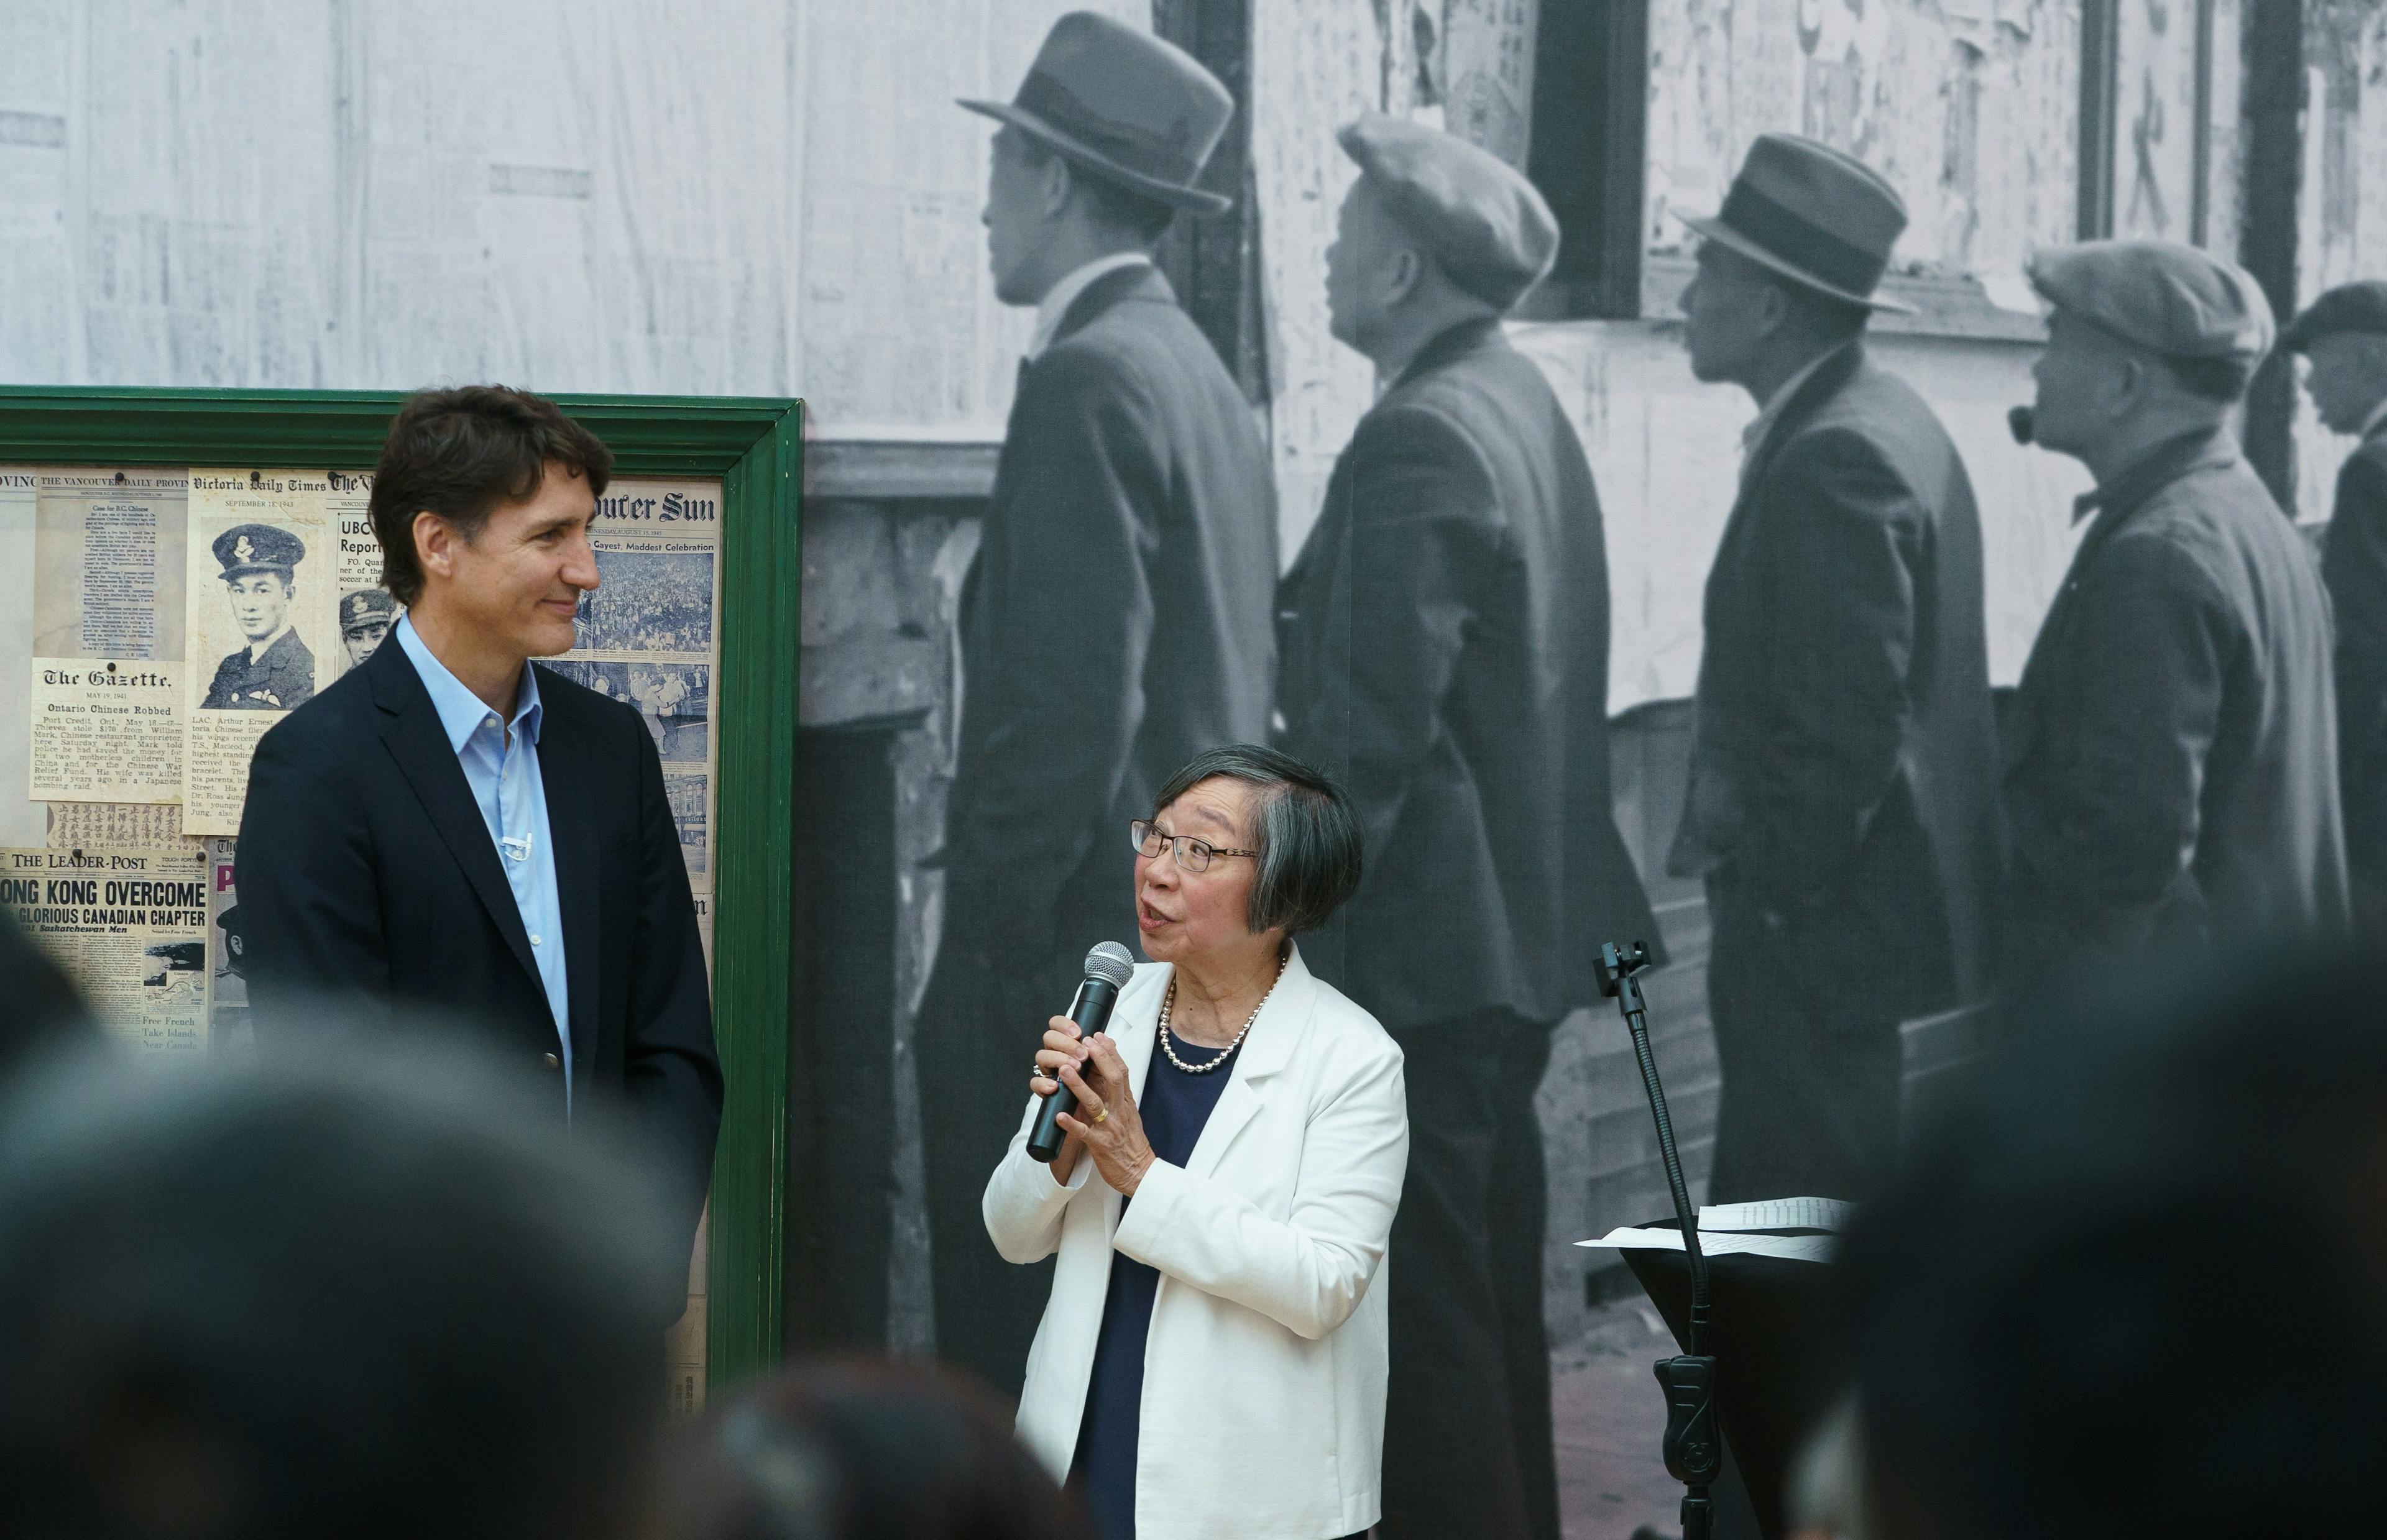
x=1169 y=1000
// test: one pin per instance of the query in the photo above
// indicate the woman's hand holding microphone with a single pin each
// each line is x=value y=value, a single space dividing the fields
x=1106 y=1121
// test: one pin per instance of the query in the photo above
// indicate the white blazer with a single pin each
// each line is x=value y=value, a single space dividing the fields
x=1264 y=1371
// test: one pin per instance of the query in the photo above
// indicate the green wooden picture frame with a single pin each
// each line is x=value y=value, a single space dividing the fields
x=755 y=445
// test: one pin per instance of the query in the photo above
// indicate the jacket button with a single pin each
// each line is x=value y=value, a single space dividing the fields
x=553 y=1061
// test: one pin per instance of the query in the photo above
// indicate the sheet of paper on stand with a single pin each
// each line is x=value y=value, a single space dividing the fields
x=1799 y=1248
x=1778 y=1214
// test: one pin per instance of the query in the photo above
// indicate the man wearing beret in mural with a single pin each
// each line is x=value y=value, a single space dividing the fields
x=1444 y=638
x=1842 y=804
x=1114 y=625
x=2171 y=774
x=275 y=670
x=2344 y=337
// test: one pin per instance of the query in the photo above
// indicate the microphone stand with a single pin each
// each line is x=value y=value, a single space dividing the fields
x=1693 y=1447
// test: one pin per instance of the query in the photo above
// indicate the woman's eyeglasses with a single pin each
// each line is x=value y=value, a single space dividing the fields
x=1192 y=855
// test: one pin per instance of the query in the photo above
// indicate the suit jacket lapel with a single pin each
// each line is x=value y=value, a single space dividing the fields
x=566 y=760
x=412 y=732
x=1812 y=393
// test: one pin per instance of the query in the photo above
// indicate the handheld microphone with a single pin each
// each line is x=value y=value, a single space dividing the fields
x=1108 y=968
x=2019 y=422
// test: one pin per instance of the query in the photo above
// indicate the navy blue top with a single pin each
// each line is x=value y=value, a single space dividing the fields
x=1174 y=1108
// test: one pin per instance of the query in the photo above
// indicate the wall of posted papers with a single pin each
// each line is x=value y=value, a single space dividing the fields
x=153 y=654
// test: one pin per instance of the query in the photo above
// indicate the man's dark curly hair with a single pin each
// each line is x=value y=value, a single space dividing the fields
x=461 y=453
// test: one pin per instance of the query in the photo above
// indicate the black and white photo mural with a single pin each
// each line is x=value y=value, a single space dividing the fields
x=1575 y=431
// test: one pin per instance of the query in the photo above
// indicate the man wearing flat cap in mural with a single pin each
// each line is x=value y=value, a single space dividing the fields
x=1443 y=642
x=2171 y=770
x=275 y=670
x=2344 y=337
x=1842 y=804
x=1116 y=624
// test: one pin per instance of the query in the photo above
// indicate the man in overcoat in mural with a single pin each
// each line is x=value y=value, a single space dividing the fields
x=1843 y=796
x=2171 y=771
x=1445 y=656
x=1116 y=621
x=2344 y=336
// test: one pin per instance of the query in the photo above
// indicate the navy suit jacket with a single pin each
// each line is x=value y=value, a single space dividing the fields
x=367 y=876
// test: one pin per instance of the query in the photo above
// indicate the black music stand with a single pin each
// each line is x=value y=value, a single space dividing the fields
x=1768 y=1323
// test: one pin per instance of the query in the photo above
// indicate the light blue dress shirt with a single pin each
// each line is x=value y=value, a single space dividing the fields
x=501 y=766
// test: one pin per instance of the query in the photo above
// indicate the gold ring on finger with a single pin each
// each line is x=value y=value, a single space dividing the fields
x=1104 y=1113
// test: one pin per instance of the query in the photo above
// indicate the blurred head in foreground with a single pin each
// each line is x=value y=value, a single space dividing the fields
x=373 y=1297
x=863 y=1450
x=2140 y=1286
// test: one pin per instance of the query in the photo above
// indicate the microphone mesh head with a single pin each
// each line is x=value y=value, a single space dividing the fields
x=1111 y=963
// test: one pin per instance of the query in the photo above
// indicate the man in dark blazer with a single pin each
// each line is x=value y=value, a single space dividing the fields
x=2171 y=776
x=450 y=827
x=1445 y=657
x=1843 y=798
x=1116 y=622
x=2343 y=336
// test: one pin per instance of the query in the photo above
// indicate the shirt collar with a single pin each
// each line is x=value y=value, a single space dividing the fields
x=2157 y=469
x=2377 y=420
x=1061 y=295
x=257 y=651
x=461 y=713
x=1754 y=435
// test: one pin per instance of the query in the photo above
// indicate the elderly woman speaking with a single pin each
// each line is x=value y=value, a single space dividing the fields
x=1211 y=1362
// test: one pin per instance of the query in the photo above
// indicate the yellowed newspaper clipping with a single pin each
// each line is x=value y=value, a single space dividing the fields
x=107 y=634
x=647 y=637
x=111 y=826
x=363 y=611
x=129 y=927
x=227 y=1008
x=264 y=570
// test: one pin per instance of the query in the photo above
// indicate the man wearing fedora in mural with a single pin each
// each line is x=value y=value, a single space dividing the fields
x=1445 y=656
x=2171 y=770
x=1117 y=622
x=1842 y=804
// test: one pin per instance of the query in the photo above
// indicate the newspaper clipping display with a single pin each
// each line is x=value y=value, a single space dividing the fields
x=261 y=578
x=129 y=926
x=107 y=634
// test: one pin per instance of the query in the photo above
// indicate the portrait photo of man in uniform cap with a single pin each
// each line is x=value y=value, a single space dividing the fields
x=275 y=670
x=365 y=617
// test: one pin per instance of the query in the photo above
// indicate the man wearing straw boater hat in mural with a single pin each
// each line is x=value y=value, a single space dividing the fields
x=1118 y=620
x=1843 y=792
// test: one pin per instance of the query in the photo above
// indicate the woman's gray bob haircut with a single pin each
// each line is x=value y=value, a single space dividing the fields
x=1305 y=829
